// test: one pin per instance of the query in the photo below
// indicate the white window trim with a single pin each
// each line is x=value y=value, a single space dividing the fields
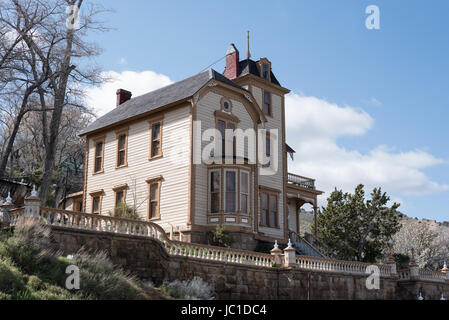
x=209 y=192
x=236 y=191
x=242 y=193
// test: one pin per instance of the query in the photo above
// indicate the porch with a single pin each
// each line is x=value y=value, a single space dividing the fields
x=300 y=192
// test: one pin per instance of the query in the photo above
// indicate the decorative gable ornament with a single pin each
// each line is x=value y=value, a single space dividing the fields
x=196 y=98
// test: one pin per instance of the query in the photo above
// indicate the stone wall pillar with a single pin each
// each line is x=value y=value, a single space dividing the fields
x=445 y=270
x=390 y=261
x=5 y=207
x=289 y=256
x=414 y=272
x=33 y=205
x=414 y=269
x=277 y=253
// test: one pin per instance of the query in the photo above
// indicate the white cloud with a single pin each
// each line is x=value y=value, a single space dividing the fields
x=103 y=99
x=313 y=128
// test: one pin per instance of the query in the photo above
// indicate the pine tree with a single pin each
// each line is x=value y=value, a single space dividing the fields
x=355 y=228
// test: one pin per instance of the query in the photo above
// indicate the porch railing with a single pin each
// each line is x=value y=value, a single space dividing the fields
x=301 y=181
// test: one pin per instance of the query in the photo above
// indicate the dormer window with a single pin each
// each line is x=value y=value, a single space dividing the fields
x=264 y=66
x=265 y=71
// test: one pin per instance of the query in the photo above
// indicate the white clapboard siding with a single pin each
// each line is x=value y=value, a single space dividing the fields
x=173 y=167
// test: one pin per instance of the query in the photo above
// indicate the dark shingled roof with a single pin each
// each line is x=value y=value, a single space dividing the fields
x=249 y=66
x=156 y=99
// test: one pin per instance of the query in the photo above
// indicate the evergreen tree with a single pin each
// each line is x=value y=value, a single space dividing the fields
x=354 y=228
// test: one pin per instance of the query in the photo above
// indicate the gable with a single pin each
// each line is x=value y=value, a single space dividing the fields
x=242 y=96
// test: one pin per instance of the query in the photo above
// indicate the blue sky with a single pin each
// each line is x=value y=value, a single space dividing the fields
x=398 y=76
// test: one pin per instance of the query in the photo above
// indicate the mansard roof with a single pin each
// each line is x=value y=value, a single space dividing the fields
x=249 y=66
x=154 y=100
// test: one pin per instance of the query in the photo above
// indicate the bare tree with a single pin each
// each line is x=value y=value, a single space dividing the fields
x=431 y=244
x=54 y=36
x=20 y=73
x=70 y=151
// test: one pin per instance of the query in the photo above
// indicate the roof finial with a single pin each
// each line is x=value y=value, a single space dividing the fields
x=248 y=54
x=8 y=199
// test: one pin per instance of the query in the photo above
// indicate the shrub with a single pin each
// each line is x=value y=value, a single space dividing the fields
x=402 y=260
x=99 y=279
x=30 y=269
x=221 y=237
x=195 y=289
x=124 y=211
x=10 y=279
x=30 y=249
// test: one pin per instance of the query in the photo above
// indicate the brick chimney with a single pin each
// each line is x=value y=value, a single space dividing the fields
x=123 y=96
x=232 y=62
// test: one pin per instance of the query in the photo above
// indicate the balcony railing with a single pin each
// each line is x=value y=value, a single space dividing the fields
x=301 y=181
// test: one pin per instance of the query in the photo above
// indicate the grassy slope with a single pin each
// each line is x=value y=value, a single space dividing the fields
x=29 y=270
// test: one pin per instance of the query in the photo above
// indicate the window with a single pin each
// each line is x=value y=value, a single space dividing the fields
x=226 y=105
x=267 y=103
x=154 y=197
x=269 y=209
x=215 y=187
x=122 y=142
x=96 y=199
x=265 y=209
x=119 y=198
x=267 y=160
x=222 y=126
x=231 y=192
x=99 y=152
x=273 y=210
x=244 y=192
x=96 y=204
x=265 y=71
x=154 y=200
x=155 y=139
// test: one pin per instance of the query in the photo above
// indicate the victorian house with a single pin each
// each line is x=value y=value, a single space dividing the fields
x=148 y=152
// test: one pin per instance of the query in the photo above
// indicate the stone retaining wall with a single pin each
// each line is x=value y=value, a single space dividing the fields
x=146 y=258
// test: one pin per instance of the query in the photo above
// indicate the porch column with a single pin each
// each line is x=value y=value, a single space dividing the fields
x=298 y=225
x=315 y=212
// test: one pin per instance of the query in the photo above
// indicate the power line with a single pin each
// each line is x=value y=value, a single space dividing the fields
x=213 y=64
